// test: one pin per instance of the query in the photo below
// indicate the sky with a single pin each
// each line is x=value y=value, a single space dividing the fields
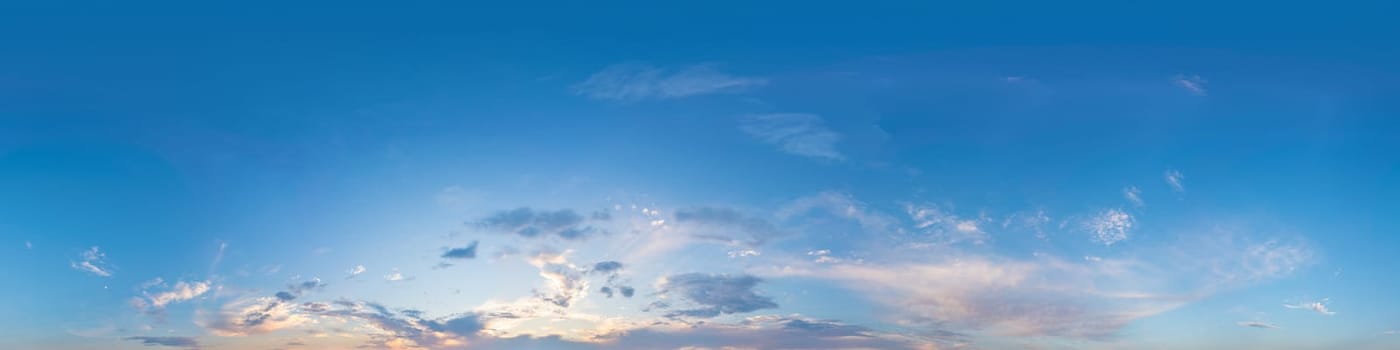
x=710 y=175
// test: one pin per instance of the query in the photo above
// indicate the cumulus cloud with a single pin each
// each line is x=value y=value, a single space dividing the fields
x=565 y=280
x=1173 y=179
x=185 y=342
x=796 y=133
x=92 y=261
x=355 y=271
x=1192 y=83
x=945 y=227
x=1256 y=324
x=716 y=294
x=530 y=223
x=638 y=81
x=394 y=276
x=1319 y=307
x=467 y=252
x=726 y=225
x=1110 y=226
x=1134 y=195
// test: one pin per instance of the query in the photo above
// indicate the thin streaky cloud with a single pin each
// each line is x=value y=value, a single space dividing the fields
x=1173 y=179
x=92 y=261
x=1256 y=324
x=795 y=133
x=1134 y=195
x=640 y=81
x=1192 y=83
x=1319 y=307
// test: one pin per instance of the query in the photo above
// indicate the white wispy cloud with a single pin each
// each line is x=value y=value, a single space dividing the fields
x=1110 y=226
x=1192 y=83
x=944 y=226
x=796 y=133
x=1173 y=179
x=639 y=81
x=92 y=261
x=181 y=291
x=1319 y=307
x=1134 y=195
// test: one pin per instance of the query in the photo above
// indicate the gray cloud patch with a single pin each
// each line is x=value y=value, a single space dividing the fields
x=530 y=223
x=716 y=294
x=467 y=252
x=186 y=342
x=607 y=267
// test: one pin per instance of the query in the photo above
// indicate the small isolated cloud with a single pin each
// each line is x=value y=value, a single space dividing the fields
x=638 y=81
x=92 y=261
x=1110 y=226
x=1319 y=307
x=716 y=294
x=1192 y=83
x=607 y=267
x=355 y=271
x=185 y=342
x=1173 y=179
x=394 y=276
x=467 y=252
x=796 y=133
x=1134 y=195
x=530 y=223
x=1256 y=324
x=725 y=225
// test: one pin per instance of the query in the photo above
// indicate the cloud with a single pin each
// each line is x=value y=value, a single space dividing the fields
x=92 y=261
x=726 y=225
x=467 y=252
x=796 y=133
x=758 y=332
x=607 y=267
x=394 y=276
x=181 y=291
x=1110 y=226
x=946 y=227
x=530 y=223
x=356 y=271
x=28 y=245
x=1173 y=179
x=565 y=281
x=1256 y=324
x=841 y=205
x=716 y=294
x=250 y=316
x=1319 y=307
x=186 y=342
x=638 y=81
x=1134 y=195
x=1192 y=83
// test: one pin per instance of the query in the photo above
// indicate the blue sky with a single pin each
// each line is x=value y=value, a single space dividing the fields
x=698 y=176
